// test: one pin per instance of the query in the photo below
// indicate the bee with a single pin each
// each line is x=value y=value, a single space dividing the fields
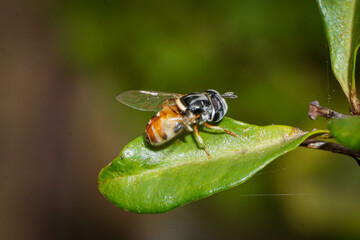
x=178 y=112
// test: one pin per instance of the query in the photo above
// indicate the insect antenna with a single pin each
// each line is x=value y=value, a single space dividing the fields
x=229 y=95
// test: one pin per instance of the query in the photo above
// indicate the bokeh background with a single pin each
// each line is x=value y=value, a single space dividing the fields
x=63 y=62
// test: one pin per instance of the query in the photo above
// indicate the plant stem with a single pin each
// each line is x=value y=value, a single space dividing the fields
x=332 y=147
x=316 y=110
x=354 y=100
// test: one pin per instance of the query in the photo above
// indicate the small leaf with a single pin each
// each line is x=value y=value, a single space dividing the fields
x=346 y=131
x=342 y=26
x=155 y=180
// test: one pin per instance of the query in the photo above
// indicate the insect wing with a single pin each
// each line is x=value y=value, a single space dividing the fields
x=145 y=100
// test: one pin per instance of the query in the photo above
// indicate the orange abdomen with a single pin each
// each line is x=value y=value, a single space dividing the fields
x=164 y=126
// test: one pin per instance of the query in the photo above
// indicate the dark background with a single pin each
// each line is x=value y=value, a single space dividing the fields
x=62 y=64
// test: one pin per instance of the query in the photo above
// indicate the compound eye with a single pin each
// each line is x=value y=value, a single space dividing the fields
x=218 y=115
x=220 y=108
x=216 y=104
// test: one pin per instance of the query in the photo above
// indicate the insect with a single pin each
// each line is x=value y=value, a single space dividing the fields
x=176 y=112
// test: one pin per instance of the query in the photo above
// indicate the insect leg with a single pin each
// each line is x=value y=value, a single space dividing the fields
x=190 y=121
x=219 y=128
x=188 y=128
x=199 y=139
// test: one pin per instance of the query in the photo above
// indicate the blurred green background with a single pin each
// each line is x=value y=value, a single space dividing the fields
x=62 y=64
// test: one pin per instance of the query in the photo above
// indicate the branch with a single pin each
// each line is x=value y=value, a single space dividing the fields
x=332 y=147
x=354 y=100
x=316 y=110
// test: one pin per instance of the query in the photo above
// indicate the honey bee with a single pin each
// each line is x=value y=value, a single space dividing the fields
x=176 y=112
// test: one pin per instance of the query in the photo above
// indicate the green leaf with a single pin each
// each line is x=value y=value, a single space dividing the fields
x=155 y=180
x=346 y=131
x=342 y=26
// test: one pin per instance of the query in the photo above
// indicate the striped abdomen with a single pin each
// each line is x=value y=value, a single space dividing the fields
x=164 y=126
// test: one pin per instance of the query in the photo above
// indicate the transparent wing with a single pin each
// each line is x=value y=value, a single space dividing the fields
x=145 y=100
